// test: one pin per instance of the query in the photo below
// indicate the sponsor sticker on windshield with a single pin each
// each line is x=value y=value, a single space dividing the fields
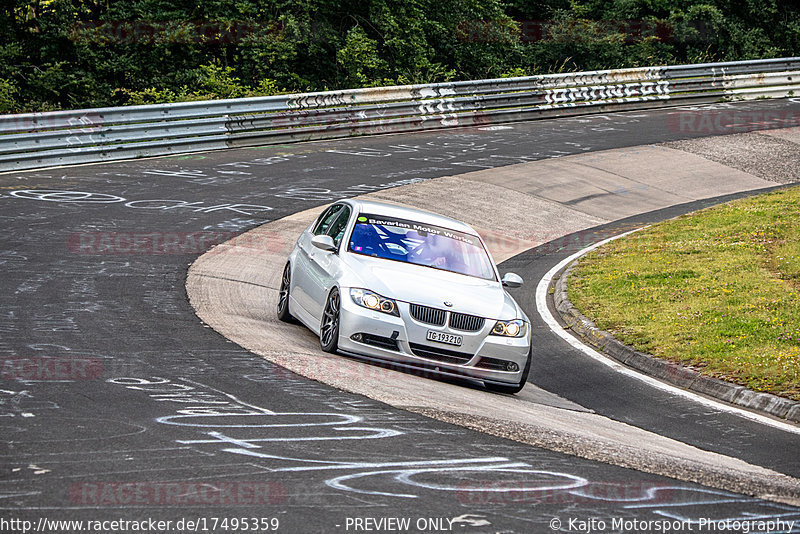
x=422 y=229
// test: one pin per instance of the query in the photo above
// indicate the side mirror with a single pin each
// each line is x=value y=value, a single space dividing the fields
x=323 y=242
x=512 y=280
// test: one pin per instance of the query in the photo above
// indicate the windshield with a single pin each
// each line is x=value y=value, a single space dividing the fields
x=421 y=244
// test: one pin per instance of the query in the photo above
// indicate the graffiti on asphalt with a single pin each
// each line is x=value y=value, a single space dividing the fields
x=83 y=197
x=219 y=420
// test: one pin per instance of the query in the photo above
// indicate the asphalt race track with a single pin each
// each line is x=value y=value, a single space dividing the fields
x=116 y=402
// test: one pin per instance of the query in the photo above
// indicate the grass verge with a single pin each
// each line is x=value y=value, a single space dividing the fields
x=717 y=290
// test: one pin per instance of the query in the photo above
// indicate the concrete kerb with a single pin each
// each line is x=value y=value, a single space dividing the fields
x=673 y=373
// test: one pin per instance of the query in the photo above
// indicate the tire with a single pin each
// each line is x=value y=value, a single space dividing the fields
x=283 y=295
x=329 y=328
x=511 y=390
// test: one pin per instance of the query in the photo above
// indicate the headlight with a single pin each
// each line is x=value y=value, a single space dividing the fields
x=515 y=328
x=373 y=301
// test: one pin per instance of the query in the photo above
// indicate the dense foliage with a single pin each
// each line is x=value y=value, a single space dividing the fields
x=89 y=53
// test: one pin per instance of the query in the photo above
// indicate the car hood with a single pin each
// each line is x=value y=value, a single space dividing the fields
x=431 y=287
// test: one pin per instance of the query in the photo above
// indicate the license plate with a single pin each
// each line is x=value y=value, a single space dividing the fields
x=443 y=337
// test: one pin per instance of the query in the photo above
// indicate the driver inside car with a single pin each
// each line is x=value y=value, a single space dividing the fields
x=437 y=251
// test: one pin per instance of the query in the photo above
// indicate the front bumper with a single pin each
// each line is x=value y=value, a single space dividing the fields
x=402 y=340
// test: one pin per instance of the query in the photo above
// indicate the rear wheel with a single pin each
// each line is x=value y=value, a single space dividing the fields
x=329 y=329
x=497 y=388
x=283 y=295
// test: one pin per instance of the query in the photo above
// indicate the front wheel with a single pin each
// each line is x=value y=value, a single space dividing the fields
x=329 y=329
x=497 y=388
x=283 y=295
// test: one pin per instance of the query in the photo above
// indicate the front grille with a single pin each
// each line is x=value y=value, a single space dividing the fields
x=441 y=355
x=379 y=341
x=427 y=315
x=492 y=363
x=468 y=323
x=437 y=317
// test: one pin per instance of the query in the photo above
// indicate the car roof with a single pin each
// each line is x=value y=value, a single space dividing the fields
x=413 y=214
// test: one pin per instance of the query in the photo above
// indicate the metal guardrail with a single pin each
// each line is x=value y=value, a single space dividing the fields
x=37 y=140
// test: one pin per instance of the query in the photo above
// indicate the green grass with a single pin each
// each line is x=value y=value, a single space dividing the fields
x=717 y=290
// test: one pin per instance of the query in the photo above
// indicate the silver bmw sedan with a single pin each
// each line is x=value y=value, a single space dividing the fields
x=400 y=285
